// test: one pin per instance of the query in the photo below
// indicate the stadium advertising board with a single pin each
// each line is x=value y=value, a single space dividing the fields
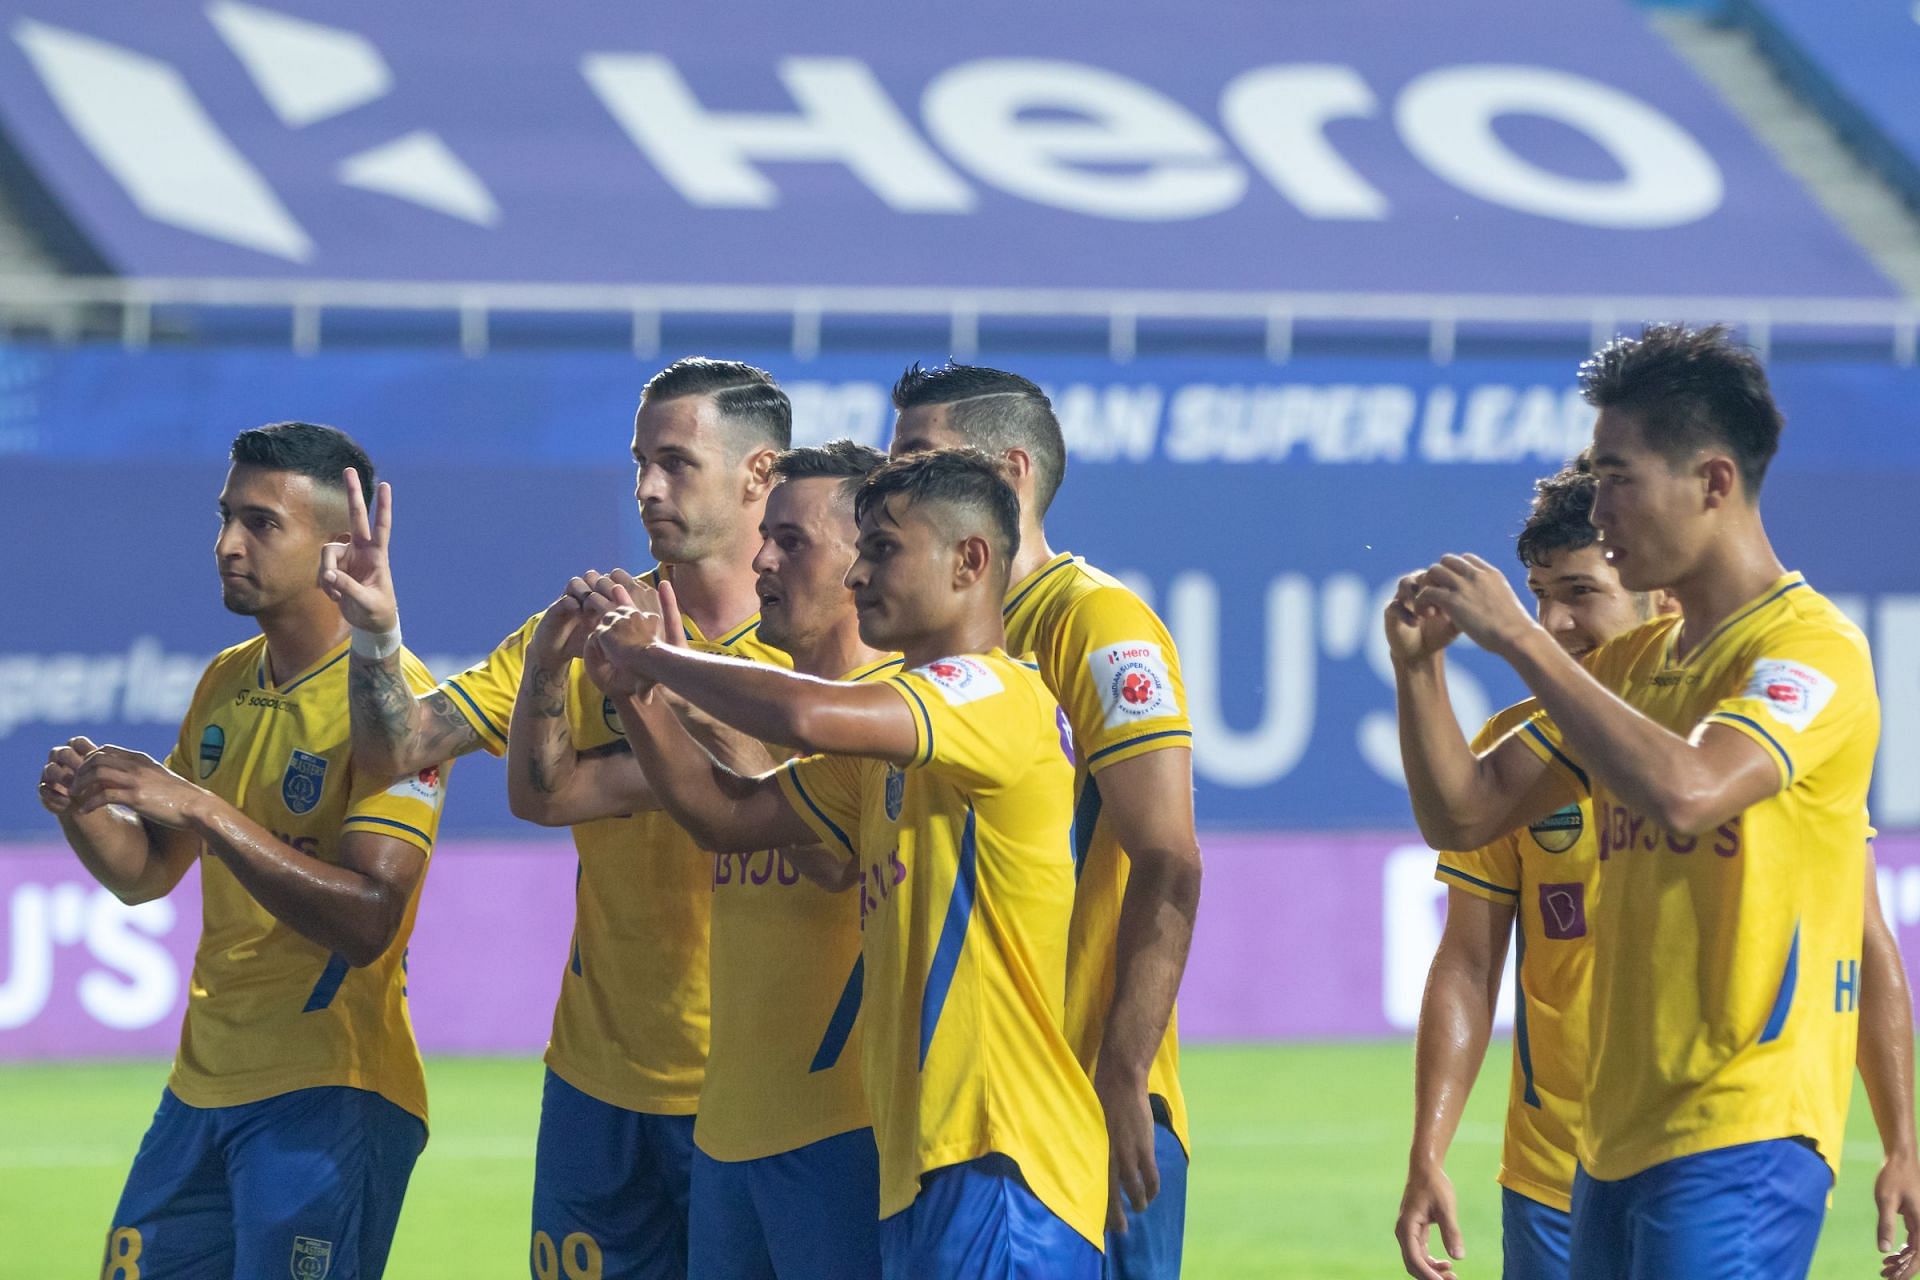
x=1303 y=936
x=1263 y=509
x=1481 y=146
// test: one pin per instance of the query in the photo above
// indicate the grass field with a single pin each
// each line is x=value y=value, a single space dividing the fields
x=1301 y=1151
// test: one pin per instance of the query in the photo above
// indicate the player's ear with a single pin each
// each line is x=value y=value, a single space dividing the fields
x=759 y=474
x=973 y=557
x=1720 y=479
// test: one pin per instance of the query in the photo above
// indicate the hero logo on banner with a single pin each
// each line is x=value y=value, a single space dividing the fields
x=1794 y=692
x=1133 y=682
x=962 y=679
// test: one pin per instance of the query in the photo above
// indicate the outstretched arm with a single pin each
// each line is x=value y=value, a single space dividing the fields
x=1886 y=1068
x=395 y=733
x=353 y=907
x=133 y=859
x=1456 y=1019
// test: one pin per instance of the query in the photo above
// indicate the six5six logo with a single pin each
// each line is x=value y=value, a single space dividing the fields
x=1133 y=682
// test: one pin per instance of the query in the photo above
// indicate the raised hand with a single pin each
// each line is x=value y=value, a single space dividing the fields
x=356 y=573
x=56 y=780
x=1478 y=599
x=116 y=775
x=1416 y=632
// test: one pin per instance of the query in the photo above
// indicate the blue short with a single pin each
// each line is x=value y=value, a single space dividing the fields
x=1742 y=1211
x=808 y=1214
x=307 y=1184
x=609 y=1189
x=979 y=1220
x=1533 y=1238
x=1150 y=1247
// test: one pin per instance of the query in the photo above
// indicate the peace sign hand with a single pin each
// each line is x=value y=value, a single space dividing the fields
x=356 y=573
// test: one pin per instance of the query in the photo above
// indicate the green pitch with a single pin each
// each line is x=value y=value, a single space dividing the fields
x=1302 y=1152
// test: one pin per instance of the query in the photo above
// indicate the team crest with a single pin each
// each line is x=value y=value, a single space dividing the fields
x=213 y=745
x=896 y=793
x=612 y=717
x=1559 y=831
x=305 y=778
x=312 y=1259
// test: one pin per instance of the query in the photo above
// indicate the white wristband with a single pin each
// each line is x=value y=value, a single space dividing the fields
x=377 y=645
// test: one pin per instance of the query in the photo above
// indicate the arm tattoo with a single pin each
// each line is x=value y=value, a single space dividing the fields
x=412 y=732
x=551 y=761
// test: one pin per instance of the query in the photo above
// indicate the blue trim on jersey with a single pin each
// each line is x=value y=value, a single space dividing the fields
x=341 y=657
x=840 y=1025
x=1783 y=1001
x=573 y=963
x=1522 y=1045
x=819 y=813
x=953 y=936
x=1028 y=590
x=329 y=985
x=741 y=634
x=1458 y=874
x=1086 y=815
x=1756 y=727
x=1558 y=754
x=1134 y=742
x=1673 y=636
x=862 y=676
x=925 y=719
x=453 y=683
x=389 y=822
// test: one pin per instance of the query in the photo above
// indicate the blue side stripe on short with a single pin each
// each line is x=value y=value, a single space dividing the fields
x=953 y=936
x=840 y=1025
x=329 y=985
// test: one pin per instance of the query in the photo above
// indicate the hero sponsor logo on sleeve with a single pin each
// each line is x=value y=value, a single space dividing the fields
x=423 y=786
x=1133 y=682
x=1794 y=692
x=962 y=679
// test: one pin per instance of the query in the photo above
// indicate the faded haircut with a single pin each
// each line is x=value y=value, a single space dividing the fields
x=757 y=412
x=320 y=453
x=993 y=411
x=966 y=481
x=841 y=460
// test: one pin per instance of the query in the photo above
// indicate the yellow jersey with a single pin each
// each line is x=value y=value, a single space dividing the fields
x=1549 y=873
x=1726 y=968
x=631 y=1024
x=1109 y=661
x=268 y=1010
x=788 y=977
x=966 y=897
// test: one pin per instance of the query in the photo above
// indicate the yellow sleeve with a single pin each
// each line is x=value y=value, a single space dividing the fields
x=1121 y=687
x=409 y=809
x=485 y=692
x=969 y=726
x=825 y=792
x=1807 y=694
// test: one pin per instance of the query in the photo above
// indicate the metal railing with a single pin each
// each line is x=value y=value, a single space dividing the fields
x=66 y=303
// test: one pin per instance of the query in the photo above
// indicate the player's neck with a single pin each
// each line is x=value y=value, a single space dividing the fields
x=717 y=592
x=1734 y=572
x=977 y=632
x=1035 y=551
x=835 y=654
x=299 y=632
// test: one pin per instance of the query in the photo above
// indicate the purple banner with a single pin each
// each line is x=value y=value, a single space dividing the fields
x=1301 y=936
x=1474 y=146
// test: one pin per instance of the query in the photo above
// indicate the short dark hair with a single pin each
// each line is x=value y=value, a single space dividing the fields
x=965 y=478
x=306 y=448
x=993 y=411
x=841 y=460
x=1689 y=388
x=1562 y=515
x=746 y=396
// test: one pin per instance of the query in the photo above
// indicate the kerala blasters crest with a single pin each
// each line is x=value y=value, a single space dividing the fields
x=213 y=745
x=896 y=793
x=312 y=1259
x=301 y=784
